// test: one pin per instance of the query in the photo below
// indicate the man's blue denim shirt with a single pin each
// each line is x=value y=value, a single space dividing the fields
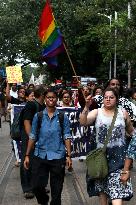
x=49 y=142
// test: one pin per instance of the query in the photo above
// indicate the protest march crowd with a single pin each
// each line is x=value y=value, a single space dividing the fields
x=51 y=125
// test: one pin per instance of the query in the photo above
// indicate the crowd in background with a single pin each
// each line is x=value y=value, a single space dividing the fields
x=66 y=96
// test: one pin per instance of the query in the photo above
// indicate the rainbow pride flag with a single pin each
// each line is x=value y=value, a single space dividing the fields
x=50 y=35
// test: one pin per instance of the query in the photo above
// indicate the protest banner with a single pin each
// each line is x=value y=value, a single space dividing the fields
x=14 y=74
x=83 y=137
x=16 y=144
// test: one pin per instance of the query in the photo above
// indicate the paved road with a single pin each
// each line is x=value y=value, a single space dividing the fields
x=74 y=190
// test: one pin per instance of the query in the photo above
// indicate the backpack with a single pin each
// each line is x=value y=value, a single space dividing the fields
x=17 y=124
x=15 y=131
x=40 y=116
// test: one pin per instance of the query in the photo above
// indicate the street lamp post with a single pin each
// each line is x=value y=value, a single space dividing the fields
x=115 y=46
x=115 y=49
x=110 y=18
x=129 y=63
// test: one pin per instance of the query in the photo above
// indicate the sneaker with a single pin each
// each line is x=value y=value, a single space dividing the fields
x=29 y=195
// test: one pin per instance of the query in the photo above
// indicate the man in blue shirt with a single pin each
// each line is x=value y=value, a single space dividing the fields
x=50 y=152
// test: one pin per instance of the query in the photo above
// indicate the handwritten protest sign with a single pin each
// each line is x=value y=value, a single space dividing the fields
x=14 y=74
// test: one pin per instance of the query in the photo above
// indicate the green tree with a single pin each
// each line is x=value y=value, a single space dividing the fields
x=88 y=36
x=18 y=36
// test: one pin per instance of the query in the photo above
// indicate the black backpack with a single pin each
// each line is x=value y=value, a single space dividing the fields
x=15 y=131
x=17 y=124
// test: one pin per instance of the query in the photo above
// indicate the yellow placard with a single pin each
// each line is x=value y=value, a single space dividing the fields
x=14 y=74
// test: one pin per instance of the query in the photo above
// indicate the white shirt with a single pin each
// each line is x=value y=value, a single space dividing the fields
x=13 y=93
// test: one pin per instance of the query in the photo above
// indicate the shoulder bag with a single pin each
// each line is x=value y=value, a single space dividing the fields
x=96 y=161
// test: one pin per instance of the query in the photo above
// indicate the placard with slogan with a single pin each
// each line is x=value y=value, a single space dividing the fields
x=14 y=74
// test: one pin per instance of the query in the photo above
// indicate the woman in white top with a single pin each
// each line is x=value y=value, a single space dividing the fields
x=111 y=187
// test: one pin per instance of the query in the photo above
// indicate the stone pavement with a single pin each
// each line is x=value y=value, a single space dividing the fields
x=74 y=190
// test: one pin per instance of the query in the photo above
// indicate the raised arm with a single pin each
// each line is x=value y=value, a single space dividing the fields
x=86 y=117
x=8 y=96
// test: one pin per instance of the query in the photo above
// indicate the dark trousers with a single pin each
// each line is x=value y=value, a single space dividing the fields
x=41 y=169
x=25 y=175
x=26 y=178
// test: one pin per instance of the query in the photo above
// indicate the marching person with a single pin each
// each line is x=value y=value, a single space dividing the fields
x=20 y=100
x=35 y=103
x=49 y=152
x=111 y=187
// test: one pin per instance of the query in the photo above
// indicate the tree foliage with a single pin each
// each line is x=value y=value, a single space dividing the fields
x=87 y=32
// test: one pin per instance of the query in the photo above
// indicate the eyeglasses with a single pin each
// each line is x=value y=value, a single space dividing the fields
x=50 y=97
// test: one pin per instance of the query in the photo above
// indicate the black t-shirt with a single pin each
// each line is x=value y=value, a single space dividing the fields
x=28 y=113
x=30 y=109
x=15 y=101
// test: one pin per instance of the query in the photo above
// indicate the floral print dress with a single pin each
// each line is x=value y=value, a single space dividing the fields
x=116 y=153
x=131 y=152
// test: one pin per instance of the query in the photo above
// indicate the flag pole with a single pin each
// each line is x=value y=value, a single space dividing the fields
x=70 y=61
x=68 y=54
